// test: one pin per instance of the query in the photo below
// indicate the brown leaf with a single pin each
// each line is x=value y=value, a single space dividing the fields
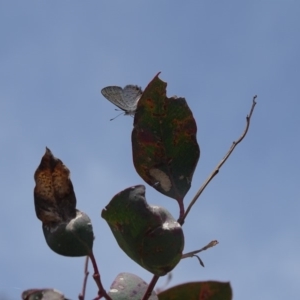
x=54 y=197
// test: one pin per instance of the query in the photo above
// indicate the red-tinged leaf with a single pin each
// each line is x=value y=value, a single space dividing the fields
x=164 y=145
x=54 y=197
x=208 y=290
x=128 y=286
x=147 y=234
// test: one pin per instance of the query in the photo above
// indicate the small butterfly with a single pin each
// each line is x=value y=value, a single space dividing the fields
x=126 y=98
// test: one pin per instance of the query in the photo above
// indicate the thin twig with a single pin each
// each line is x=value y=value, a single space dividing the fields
x=216 y=170
x=86 y=274
x=192 y=253
x=150 y=287
x=96 y=276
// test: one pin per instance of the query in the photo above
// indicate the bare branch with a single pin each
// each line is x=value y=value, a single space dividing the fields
x=86 y=274
x=96 y=276
x=216 y=170
x=191 y=254
x=150 y=287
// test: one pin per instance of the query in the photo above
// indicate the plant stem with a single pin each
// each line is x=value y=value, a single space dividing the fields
x=96 y=276
x=151 y=287
x=192 y=253
x=218 y=167
x=86 y=274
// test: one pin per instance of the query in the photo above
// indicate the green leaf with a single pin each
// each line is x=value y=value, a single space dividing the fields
x=208 y=290
x=147 y=234
x=164 y=145
x=74 y=238
x=128 y=286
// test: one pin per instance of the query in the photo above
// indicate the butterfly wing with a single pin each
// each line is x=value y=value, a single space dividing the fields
x=114 y=94
x=131 y=96
x=126 y=99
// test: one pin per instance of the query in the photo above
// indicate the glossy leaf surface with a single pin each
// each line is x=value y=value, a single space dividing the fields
x=74 y=238
x=164 y=145
x=147 y=234
x=209 y=290
x=128 y=286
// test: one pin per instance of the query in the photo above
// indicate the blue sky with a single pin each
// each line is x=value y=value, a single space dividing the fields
x=56 y=56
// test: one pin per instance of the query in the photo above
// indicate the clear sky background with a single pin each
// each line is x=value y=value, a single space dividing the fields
x=56 y=56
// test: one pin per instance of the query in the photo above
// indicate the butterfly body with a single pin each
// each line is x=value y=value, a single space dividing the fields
x=125 y=98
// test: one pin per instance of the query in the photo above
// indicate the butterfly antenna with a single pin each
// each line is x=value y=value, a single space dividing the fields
x=116 y=116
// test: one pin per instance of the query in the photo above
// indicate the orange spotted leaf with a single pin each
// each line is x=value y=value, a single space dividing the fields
x=54 y=197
